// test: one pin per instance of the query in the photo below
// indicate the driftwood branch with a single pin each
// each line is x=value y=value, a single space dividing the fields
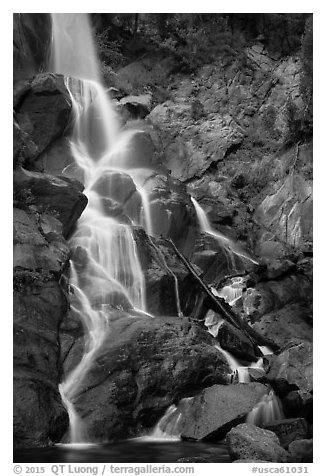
x=223 y=308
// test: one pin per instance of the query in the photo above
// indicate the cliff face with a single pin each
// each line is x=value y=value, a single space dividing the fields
x=220 y=134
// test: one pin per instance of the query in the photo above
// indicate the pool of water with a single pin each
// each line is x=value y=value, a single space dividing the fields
x=128 y=451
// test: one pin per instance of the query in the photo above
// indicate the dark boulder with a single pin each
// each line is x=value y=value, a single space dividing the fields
x=301 y=451
x=288 y=324
x=43 y=111
x=298 y=403
x=135 y=107
x=211 y=413
x=145 y=147
x=234 y=341
x=247 y=441
x=57 y=159
x=292 y=369
x=47 y=252
x=62 y=197
x=289 y=430
x=272 y=295
x=167 y=279
x=119 y=187
x=172 y=212
x=143 y=366
x=31 y=41
x=39 y=416
x=24 y=148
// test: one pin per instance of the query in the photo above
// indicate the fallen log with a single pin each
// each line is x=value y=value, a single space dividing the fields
x=223 y=308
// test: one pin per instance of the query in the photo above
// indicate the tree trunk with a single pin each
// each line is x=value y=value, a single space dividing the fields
x=220 y=306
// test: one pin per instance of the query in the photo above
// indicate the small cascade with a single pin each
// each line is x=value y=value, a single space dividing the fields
x=267 y=410
x=167 y=427
x=232 y=292
x=230 y=249
x=77 y=432
x=239 y=372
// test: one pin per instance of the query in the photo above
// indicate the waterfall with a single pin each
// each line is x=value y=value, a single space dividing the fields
x=105 y=269
x=266 y=411
x=230 y=249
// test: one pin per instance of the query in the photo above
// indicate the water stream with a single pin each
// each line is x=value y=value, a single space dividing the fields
x=228 y=246
x=105 y=269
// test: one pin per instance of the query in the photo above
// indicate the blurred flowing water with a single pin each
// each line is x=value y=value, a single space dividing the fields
x=108 y=271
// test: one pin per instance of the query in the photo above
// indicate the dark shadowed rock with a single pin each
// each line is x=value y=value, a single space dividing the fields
x=57 y=159
x=162 y=268
x=299 y=403
x=39 y=416
x=301 y=451
x=288 y=324
x=61 y=197
x=288 y=430
x=119 y=187
x=250 y=442
x=234 y=341
x=172 y=212
x=145 y=147
x=43 y=111
x=24 y=148
x=31 y=41
x=143 y=366
x=33 y=250
x=134 y=107
x=292 y=369
x=211 y=413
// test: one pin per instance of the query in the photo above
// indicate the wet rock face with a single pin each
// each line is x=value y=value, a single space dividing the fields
x=292 y=369
x=39 y=416
x=211 y=414
x=191 y=153
x=287 y=215
x=250 y=442
x=40 y=256
x=42 y=107
x=45 y=193
x=34 y=250
x=172 y=212
x=232 y=340
x=161 y=266
x=144 y=366
x=31 y=40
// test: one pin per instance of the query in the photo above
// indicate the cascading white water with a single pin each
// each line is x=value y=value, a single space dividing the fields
x=105 y=269
x=230 y=249
x=230 y=292
x=268 y=410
